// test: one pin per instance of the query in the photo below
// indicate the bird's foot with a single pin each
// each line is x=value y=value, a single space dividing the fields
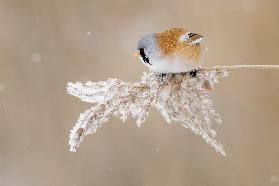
x=162 y=76
x=193 y=73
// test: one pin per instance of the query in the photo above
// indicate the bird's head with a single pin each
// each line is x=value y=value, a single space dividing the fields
x=147 y=49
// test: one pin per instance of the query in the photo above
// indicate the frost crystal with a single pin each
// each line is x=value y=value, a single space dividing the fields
x=178 y=97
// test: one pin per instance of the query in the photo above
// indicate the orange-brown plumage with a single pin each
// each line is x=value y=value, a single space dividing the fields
x=168 y=42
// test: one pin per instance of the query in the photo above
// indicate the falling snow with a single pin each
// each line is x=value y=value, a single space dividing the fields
x=2 y=87
x=273 y=178
x=36 y=57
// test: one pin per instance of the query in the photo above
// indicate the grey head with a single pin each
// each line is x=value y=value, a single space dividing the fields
x=148 y=48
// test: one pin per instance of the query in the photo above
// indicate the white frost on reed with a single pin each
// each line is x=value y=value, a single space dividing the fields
x=178 y=97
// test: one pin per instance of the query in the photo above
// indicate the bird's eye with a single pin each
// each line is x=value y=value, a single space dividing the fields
x=143 y=55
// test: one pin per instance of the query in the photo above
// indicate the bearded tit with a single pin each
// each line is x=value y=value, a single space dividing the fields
x=172 y=51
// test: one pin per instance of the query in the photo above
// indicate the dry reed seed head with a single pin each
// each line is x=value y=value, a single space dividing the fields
x=178 y=97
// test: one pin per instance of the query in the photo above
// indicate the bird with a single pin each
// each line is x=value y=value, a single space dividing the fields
x=175 y=50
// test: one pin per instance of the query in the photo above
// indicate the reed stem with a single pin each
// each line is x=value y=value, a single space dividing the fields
x=237 y=67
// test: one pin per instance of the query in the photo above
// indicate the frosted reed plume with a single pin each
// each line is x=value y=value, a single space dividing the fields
x=178 y=97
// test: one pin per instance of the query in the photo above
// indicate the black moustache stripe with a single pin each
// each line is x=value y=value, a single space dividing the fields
x=145 y=59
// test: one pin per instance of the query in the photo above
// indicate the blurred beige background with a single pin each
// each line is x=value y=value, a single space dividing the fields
x=44 y=44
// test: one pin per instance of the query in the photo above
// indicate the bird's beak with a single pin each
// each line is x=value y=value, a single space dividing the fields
x=197 y=40
x=136 y=54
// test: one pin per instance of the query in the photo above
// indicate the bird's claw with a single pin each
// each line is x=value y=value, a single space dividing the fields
x=193 y=73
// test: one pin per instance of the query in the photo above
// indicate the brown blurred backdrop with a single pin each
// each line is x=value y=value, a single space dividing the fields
x=44 y=44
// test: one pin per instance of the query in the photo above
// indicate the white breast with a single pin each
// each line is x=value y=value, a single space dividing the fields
x=172 y=65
